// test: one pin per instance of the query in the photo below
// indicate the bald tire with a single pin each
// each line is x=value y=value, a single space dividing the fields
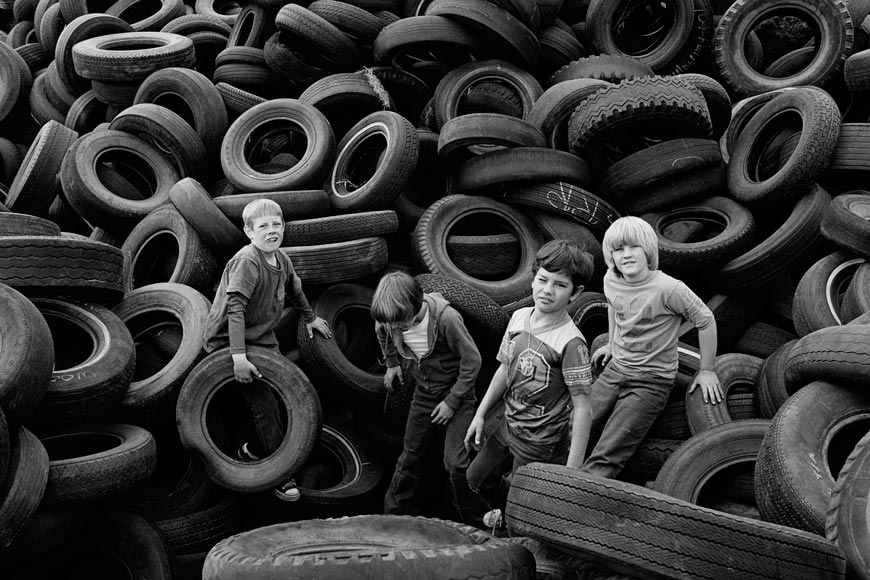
x=388 y=547
x=24 y=487
x=633 y=530
x=794 y=473
x=96 y=461
x=848 y=522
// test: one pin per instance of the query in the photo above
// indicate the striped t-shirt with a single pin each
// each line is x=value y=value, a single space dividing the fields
x=545 y=367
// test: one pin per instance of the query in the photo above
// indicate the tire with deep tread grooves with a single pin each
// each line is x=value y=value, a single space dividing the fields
x=672 y=106
x=749 y=183
x=389 y=547
x=831 y=19
x=339 y=228
x=477 y=309
x=630 y=529
x=733 y=369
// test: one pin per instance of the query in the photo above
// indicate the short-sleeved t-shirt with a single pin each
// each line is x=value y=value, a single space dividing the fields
x=648 y=315
x=546 y=366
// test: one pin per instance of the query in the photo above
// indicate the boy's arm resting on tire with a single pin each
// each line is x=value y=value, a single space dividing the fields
x=695 y=311
x=463 y=346
x=243 y=369
x=706 y=376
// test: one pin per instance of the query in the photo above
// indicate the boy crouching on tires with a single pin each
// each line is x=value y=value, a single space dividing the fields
x=246 y=309
x=645 y=310
x=425 y=335
x=544 y=379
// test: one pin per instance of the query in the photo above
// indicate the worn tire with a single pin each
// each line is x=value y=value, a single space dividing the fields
x=96 y=461
x=629 y=529
x=388 y=547
x=811 y=434
x=93 y=364
x=295 y=394
x=167 y=321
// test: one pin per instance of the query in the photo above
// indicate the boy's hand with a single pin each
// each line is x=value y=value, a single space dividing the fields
x=602 y=355
x=244 y=370
x=442 y=414
x=320 y=326
x=474 y=433
x=391 y=374
x=709 y=384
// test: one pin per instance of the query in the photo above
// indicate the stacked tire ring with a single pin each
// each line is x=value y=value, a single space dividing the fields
x=448 y=139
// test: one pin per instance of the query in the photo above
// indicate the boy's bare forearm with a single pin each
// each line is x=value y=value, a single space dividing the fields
x=581 y=420
x=495 y=391
x=707 y=345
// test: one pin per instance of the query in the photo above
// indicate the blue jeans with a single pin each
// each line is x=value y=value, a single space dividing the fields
x=503 y=453
x=421 y=435
x=624 y=408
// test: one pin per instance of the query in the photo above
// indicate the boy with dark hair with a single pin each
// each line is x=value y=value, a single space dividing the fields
x=246 y=309
x=423 y=333
x=544 y=379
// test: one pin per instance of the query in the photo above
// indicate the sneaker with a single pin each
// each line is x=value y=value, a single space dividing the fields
x=288 y=491
x=493 y=520
x=244 y=454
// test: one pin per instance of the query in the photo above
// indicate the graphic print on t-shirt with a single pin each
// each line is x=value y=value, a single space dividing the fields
x=541 y=376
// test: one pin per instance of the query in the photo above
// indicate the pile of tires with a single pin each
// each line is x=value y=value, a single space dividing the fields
x=448 y=139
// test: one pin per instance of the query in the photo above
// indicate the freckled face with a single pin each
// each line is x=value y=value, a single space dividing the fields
x=266 y=233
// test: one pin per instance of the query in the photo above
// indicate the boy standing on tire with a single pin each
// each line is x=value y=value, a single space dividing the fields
x=544 y=378
x=645 y=310
x=246 y=309
x=425 y=335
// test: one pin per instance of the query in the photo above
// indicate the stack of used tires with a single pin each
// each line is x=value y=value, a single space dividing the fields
x=448 y=139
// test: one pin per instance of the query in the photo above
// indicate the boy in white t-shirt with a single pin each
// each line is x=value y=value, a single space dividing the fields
x=645 y=310
x=425 y=335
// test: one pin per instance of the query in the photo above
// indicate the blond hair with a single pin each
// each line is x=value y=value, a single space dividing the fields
x=397 y=298
x=631 y=231
x=260 y=208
